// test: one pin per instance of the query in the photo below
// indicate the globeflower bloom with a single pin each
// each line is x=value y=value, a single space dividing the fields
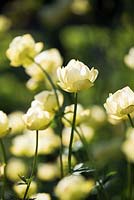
x=41 y=196
x=129 y=58
x=22 y=50
x=73 y=187
x=37 y=119
x=76 y=76
x=4 y=124
x=48 y=100
x=82 y=115
x=120 y=104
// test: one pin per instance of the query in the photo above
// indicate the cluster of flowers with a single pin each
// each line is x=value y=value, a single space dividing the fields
x=45 y=67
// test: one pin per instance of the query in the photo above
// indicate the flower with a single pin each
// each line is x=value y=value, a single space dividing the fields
x=49 y=60
x=15 y=167
x=4 y=124
x=76 y=76
x=2 y=166
x=129 y=58
x=5 y=23
x=24 y=145
x=16 y=122
x=81 y=115
x=73 y=187
x=21 y=188
x=120 y=104
x=41 y=196
x=22 y=50
x=51 y=171
x=37 y=119
x=128 y=145
x=48 y=100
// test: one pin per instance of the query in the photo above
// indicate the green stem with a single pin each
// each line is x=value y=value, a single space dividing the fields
x=33 y=167
x=130 y=119
x=72 y=133
x=130 y=170
x=5 y=162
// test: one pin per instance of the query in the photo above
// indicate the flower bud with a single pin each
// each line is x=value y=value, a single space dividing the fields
x=4 y=125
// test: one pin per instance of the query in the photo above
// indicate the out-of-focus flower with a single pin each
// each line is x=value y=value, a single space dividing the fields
x=21 y=188
x=84 y=130
x=65 y=162
x=15 y=167
x=32 y=84
x=24 y=145
x=48 y=171
x=76 y=76
x=5 y=23
x=22 y=50
x=35 y=72
x=97 y=116
x=80 y=7
x=81 y=115
x=16 y=122
x=4 y=124
x=49 y=60
x=120 y=104
x=128 y=145
x=37 y=118
x=73 y=187
x=129 y=58
x=41 y=196
x=48 y=100
x=2 y=166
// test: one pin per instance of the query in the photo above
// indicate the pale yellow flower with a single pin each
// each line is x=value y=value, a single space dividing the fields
x=16 y=122
x=4 y=124
x=48 y=100
x=35 y=72
x=5 y=23
x=15 y=167
x=129 y=58
x=22 y=50
x=21 y=188
x=82 y=115
x=80 y=7
x=37 y=119
x=2 y=166
x=32 y=84
x=76 y=76
x=41 y=196
x=49 y=60
x=73 y=187
x=24 y=145
x=85 y=131
x=120 y=104
x=128 y=145
x=47 y=171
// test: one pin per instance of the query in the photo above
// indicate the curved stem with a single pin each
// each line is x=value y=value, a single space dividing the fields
x=72 y=133
x=130 y=119
x=5 y=162
x=130 y=170
x=33 y=167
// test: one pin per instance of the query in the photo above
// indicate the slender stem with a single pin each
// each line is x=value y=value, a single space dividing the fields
x=33 y=167
x=5 y=162
x=72 y=133
x=130 y=119
x=130 y=170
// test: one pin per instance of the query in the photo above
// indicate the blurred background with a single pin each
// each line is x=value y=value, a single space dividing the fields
x=96 y=32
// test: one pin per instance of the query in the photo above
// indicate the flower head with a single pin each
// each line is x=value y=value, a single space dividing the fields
x=76 y=76
x=120 y=104
x=129 y=58
x=4 y=124
x=73 y=187
x=22 y=50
